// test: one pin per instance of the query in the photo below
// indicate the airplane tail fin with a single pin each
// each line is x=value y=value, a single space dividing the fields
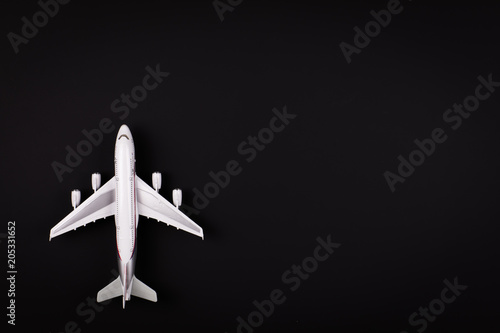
x=139 y=289
x=115 y=289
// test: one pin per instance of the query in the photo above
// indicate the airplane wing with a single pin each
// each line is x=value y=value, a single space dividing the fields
x=153 y=205
x=99 y=205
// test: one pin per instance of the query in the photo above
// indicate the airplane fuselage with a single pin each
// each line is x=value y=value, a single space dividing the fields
x=126 y=216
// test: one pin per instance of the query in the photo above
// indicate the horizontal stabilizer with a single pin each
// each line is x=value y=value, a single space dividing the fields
x=114 y=289
x=139 y=289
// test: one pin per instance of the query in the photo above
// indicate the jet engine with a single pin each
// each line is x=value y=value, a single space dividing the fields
x=177 y=197
x=75 y=198
x=156 y=181
x=96 y=181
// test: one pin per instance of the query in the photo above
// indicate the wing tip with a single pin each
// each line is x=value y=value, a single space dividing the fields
x=51 y=234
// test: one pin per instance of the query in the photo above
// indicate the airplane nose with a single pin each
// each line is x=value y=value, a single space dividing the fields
x=124 y=133
x=124 y=128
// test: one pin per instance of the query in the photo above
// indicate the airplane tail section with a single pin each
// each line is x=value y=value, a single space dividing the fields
x=139 y=289
x=115 y=289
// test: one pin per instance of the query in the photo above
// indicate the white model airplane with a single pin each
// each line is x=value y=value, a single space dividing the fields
x=126 y=196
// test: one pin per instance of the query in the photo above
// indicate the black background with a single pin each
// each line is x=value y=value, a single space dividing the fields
x=322 y=175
